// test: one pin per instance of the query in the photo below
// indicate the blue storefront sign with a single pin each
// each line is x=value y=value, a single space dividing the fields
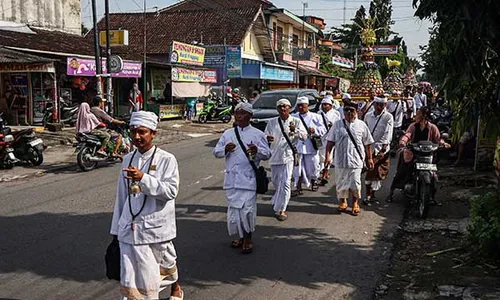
x=274 y=73
x=233 y=61
x=215 y=56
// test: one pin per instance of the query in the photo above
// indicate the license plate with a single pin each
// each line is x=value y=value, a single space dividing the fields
x=36 y=142
x=426 y=167
x=11 y=156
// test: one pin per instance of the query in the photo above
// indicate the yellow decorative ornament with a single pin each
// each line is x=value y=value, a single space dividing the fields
x=368 y=35
x=392 y=63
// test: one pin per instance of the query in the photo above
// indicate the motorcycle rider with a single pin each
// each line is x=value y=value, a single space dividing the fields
x=421 y=130
x=98 y=110
x=87 y=122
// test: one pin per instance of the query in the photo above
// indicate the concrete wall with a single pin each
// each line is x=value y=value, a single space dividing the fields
x=53 y=14
x=251 y=47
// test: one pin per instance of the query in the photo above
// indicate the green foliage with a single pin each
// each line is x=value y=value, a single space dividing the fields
x=381 y=12
x=484 y=226
x=462 y=56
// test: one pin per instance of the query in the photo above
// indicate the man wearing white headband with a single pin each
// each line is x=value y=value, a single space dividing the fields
x=329 y=116
x=242 y=146
x=283 y=133
x=381 y=126
x=144 y=215
x=309 y=168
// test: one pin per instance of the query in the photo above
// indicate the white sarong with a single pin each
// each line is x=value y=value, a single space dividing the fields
x=144 y=268
x=376 y=185
x=281 y=177
x=348 y=181
x=241 y=217
x=308 y=167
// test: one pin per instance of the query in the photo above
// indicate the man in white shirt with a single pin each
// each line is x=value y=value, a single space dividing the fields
x=144 y=215
x=329 y=116
x=240 y=180
x=350 y=155
x=397 y=108
x=308 y=170
x=283 y=133
x=345 y=97
x=381 y=126
x=420 y=98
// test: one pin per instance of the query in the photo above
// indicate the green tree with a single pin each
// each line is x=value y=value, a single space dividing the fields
x=349 y=34
x=462 y=56
x=381 y=12
x=328 y=67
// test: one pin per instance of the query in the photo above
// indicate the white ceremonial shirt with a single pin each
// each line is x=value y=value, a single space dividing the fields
x=312 y=120
x=397 y=110
x=382 y=134
x=281 y=153
x=330 y=117
x=336 y=104
x=239 y=173
x=346 y=155
x=420 y=100
x=156 y=222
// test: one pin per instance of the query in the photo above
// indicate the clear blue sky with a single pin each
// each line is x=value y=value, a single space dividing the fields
x=414 y=31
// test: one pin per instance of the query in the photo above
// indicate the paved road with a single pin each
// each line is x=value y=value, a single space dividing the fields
x=54 y=233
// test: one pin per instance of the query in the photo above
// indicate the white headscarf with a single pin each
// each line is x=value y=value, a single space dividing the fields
x=86 y=121
x=380 y=99
x=302 y=100
x=244 y=106
x=283 y=102
x=144 y=118
x=327 y=100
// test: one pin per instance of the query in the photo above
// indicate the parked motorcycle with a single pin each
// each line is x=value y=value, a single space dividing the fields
x=215 y=111
x=7 y=157
x=88 y=145
x=28 y=147
x=422 y=184
x=69 y=113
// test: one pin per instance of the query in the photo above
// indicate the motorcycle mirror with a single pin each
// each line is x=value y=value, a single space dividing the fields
x=445 y=136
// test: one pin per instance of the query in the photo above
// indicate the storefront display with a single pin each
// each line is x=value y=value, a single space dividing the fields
x=43 y=91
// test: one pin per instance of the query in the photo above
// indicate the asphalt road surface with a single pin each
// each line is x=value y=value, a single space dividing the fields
x=54 y=233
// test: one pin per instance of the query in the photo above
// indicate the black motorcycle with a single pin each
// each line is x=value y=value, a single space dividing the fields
x=421 y=186
x=88 y=145
x=69 y=113
x=7 y=157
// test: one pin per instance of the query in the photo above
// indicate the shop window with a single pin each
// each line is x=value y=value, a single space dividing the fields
x=43 y=87
x=15 y=97
x=295 y=40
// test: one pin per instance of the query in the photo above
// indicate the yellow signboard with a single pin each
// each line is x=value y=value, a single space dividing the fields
x=116 y=38
x=187 y=54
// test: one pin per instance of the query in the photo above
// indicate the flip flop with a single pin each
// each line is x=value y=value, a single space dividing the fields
x=281 y=217
x=247 y=249
x=237 y=243
x=355 y=209
x=177 y=298
x=342 y=207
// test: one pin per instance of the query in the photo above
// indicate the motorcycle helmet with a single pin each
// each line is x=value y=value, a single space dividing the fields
x=229 y=91
x=236 y=91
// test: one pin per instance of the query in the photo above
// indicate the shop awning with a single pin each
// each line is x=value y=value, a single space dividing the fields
x=9 y=56
x=310 y=71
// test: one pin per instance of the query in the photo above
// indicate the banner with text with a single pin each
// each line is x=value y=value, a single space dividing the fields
x=385 y=50
x=188 y=75
x=187 y=54
x=87 y=67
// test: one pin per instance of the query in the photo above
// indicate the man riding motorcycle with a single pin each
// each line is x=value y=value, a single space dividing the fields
x=98 y=110
x=421 y=130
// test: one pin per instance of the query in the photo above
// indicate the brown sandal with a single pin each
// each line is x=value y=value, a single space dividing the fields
x=355 y=209
x=342 y=206
x=247 y=247
x=237 y=243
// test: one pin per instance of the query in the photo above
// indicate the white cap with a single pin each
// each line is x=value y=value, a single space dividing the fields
x=144 y=118
x=380 y=99
x=302 y=100
x=327 y=100
x=283 y=102
x=244 y=106
x=346 y=96
x=323 y=93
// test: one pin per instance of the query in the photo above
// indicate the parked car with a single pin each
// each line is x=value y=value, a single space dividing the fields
x=264 y=106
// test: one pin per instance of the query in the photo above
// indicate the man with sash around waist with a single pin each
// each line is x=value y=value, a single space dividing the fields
x=240 y=180
x=353 y=143
x=283 y=133
x=381 y=126
x=329 y=116
x=144 y=215
x=307 y=172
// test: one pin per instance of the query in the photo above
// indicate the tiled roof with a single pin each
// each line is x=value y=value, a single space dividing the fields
x=47 y=40
x=12 y=56
x=208 y=21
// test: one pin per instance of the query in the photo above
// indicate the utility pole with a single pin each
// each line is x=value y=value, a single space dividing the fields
x=144 y=75
x=109 y=89
x=98 y=65
x=304 y=37
x=345 y=8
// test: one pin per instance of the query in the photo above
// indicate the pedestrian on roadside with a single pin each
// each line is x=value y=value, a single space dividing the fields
x=308 y=171
x=240 y=145
x=135 y=99
x=353 y=145
x=381 y=126
x=144 y=215
x=283 y=133
x=420 y=98
x=329 y=116
x=397 y=108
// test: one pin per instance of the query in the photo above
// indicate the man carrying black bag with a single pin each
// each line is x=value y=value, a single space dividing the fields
x=243 y=147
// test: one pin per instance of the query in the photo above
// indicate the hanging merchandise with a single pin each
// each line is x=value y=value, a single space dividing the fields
x=393 y=83
x=367 y=79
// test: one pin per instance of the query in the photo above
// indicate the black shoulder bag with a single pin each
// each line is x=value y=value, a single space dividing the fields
x=395 y=111
x=260 y=172
x=315 y=140
x=355 y=145
x=287 y=138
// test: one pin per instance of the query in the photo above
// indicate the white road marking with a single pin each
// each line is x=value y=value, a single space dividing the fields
x=197 y=135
